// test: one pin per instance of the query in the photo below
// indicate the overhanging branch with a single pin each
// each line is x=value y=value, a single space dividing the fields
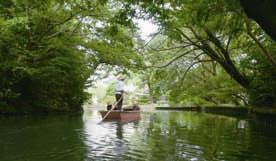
x=174 y=59
x=190 y=67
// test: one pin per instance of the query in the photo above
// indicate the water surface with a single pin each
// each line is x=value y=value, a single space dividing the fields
x=158 y=136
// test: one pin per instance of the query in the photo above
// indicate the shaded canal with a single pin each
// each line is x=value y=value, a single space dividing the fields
x=159 y=136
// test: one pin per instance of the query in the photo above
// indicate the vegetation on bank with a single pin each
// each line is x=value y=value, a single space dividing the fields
x=49 y=49
x=205 y=52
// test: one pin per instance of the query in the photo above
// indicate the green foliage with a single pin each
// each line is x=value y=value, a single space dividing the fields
x=204 y=31
x=208 y=52
x=49 y=49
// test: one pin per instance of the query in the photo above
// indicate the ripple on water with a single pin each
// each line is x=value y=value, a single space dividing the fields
x=164 y=136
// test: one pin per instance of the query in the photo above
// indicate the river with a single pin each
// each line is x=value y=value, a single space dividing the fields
x=158 y=136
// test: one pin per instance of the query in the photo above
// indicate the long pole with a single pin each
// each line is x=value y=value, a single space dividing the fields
x=113 y=106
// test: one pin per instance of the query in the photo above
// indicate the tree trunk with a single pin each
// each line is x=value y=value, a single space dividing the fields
x=230 y=68
x=263 y=12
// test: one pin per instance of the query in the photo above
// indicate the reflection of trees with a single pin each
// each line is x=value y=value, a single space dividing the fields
x=172 y=136
x=178 y=136
x=41 y=138
x=262 y=141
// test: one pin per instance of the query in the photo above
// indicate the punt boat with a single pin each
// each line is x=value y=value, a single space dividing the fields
x=124 y=116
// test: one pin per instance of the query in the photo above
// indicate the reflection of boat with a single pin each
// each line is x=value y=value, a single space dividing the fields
x=124 y=116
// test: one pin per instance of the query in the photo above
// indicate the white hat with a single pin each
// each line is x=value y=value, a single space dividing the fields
x=121 y=77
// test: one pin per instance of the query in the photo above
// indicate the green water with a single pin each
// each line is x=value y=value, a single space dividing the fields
x=159 y=136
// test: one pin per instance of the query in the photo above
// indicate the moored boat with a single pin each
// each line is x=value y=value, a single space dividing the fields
x=124 y=116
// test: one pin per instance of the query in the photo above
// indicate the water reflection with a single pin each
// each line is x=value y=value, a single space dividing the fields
x=158 y=136
x=174 y=136
x=41 y=138
x=107 y=139
x=242 y=124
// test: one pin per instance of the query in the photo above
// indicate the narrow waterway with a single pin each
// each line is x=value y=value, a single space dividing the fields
x=158 y=136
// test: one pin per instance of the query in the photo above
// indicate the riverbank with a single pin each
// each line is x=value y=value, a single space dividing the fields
x=225 y=110
x=263 y=116
x=11 y=111
x=34 y=109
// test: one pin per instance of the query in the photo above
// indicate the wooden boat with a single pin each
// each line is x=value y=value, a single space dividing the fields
x=124 y=116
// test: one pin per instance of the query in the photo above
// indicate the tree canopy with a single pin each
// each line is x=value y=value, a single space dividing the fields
x=216 y=42
x=206 y=51
x=49 y=49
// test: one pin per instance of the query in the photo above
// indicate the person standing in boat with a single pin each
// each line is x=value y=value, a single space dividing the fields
x=119 y=91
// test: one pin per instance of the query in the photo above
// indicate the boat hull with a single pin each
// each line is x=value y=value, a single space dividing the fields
x=124 y=116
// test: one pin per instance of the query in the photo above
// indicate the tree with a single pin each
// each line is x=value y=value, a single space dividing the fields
x=263 y=12
x=49 y=49
x=217 y=31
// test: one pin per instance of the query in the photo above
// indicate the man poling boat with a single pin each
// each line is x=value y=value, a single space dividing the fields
x=115 y=111
x=119 y=92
